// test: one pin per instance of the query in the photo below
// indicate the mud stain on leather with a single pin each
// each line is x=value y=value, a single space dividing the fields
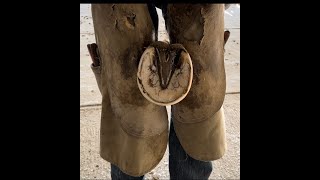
x=157 y=145
x=127 y=63
x=131 y=95
x=197 y=69
x=195 y=100
x=195 y=30
x=116 y=25
x=136 y=97
x=130 y=21
x=191 y=101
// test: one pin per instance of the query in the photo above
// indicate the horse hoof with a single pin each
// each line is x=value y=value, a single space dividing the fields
x=165 y=73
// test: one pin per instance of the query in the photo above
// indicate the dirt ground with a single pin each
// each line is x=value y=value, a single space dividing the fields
x=92 y=166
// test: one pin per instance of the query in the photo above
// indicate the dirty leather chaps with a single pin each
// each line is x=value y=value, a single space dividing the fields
x=134 y=132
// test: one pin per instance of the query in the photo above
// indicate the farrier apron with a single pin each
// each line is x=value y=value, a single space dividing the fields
x=134 y=131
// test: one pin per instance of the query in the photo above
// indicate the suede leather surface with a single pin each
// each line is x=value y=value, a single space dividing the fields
x=134 y=131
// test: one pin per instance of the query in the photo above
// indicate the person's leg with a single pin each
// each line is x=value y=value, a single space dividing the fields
x=197 y=133
x=182 y=166
x=199 y=118
x=134 y=132
x=117 y=174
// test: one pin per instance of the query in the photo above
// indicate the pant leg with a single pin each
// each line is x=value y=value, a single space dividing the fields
x=117 y=174
x=182 y=166
x=199 y=118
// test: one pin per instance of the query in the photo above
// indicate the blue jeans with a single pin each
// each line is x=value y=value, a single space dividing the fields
x=181 y=165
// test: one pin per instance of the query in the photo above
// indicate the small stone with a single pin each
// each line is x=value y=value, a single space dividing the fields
x=97 y=165
x=155 y=177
